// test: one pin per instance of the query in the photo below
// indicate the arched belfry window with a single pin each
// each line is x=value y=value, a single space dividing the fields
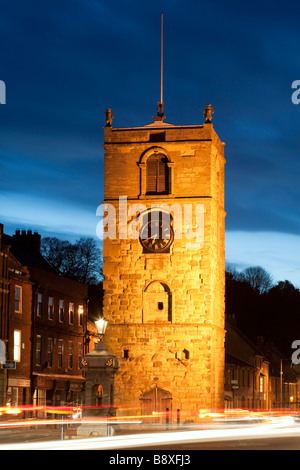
x=158 y=175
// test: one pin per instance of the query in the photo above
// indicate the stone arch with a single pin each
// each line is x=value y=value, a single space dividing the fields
x=157 y=303
x=156 y=400
x=152 y=152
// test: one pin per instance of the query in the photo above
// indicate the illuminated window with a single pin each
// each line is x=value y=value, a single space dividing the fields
x=157 y=174
x=51 y=308
x=39 y=310
x=71 y=313
x=261 y=384
x=17 y=345
x=80 y=315
x=61 y=311
x=18 y=299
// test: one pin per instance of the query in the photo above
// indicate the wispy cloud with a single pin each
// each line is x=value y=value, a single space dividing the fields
x=278 y=253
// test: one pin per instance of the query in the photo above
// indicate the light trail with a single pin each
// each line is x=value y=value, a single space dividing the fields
x=283 y=427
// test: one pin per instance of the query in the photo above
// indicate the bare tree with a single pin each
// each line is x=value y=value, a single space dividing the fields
x=258 y=278
x=81 y=260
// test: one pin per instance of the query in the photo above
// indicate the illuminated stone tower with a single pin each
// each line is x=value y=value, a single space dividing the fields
x=165 y=274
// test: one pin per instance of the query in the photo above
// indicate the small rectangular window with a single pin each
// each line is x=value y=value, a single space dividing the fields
x=51 y=308
x=38 y=350
x=60 y=352
x=18 y=299
x=39 y=310
x=61 y=311
x=70 y=355
x=157 y=137
x=50 y=351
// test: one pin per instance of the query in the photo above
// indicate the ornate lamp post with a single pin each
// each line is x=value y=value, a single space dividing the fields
x=100 y=367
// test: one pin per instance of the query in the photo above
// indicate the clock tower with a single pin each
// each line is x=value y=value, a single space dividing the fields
x=164 y=265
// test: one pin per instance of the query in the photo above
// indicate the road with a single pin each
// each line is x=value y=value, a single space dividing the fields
x=275 y=443
x=281 y=434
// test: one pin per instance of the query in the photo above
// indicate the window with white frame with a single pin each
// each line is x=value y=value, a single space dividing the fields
x=18 y=299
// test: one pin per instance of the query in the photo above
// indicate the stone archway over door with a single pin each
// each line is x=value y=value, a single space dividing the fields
x=156 y=400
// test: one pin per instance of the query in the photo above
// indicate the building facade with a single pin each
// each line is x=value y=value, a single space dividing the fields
x=4 y=314
x=59 y=325
x=43 y=326
x=18 y=390
x=164 y=265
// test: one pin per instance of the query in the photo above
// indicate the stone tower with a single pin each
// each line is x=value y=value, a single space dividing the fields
x=164 y=265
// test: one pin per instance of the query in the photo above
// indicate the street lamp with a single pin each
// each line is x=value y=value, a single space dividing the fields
x=100 y=367
x=101 y=326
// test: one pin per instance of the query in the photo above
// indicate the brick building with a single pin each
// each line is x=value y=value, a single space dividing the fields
x=46 y=327
x=4 y=309
x=19 y=336
x=246 y=378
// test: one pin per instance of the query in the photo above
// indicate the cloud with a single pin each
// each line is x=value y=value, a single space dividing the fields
x=23 y=211
x=278 y=253
x=65 y=62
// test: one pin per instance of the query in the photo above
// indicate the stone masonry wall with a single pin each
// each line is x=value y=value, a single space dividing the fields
x=166 y=311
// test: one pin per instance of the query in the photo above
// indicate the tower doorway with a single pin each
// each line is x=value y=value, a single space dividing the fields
x=156 y=403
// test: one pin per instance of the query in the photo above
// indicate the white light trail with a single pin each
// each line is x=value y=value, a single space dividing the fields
x=277 y=428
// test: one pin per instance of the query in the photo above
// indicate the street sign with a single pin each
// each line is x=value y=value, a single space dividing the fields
x=9 y=365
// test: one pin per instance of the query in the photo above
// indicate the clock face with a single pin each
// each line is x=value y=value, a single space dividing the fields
x=156 y=236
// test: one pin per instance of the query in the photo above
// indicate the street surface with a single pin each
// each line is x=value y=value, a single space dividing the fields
x=277 y=434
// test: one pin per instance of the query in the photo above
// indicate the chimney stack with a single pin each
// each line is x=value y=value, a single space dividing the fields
x=32 y=240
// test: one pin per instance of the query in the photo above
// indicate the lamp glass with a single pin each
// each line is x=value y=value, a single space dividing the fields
x=101 y=325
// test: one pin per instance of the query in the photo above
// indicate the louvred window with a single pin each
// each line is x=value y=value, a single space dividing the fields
x=157 y=175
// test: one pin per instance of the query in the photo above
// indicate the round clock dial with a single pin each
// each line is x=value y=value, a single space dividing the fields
x=156 y=236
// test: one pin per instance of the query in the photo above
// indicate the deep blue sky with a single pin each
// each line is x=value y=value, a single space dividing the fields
x=65 y=61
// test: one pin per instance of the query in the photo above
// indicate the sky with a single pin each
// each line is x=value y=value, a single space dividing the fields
x=64 y=62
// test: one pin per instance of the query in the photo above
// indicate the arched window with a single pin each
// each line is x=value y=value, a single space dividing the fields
x=158 y=175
